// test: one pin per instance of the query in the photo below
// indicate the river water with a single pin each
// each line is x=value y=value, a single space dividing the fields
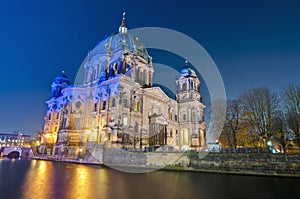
x=32 y=179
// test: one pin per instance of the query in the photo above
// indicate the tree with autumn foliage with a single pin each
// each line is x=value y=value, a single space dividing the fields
x=261 y=105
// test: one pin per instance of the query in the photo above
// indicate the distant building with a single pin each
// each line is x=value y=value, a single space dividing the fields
x=14 y=139
x=117 y=105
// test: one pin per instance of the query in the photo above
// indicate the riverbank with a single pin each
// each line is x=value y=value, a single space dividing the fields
x=267 y=165
x=249 y=164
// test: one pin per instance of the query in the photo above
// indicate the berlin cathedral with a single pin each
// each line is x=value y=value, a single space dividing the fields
x=116 y=105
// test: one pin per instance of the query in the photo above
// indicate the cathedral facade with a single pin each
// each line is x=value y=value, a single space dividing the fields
x=117 y=106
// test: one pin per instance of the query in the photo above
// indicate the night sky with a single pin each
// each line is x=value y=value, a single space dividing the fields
x=253 y=43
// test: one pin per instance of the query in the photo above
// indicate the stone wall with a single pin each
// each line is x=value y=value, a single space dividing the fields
x=257 y=163
x=158 y=159
x=265 y=163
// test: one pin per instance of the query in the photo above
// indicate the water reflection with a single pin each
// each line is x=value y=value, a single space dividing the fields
x=79 y=183
x=39 y=180
x=44 y=179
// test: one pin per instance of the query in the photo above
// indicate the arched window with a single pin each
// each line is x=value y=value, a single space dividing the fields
x=103 y=105
x=193 y=116
x=128 y=70
x=64 y=123
x=115 y=69
x=113 y=102
x=95 y=74
x=136 y=106
x=150 y=79
x=137 y=74
x=145 y=77
x=183 y=88
x=125 y=103
x=141 y=76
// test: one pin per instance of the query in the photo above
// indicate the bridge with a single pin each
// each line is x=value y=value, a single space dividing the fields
x=16 y=152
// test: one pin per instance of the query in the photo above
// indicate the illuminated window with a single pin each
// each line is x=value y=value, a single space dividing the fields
x=171 y=116
x=136 y=106
x=125 y=120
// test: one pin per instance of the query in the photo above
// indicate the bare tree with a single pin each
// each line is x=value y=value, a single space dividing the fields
x=291 y=99
x=233 y=122
x=260 y=106
x=280 y=129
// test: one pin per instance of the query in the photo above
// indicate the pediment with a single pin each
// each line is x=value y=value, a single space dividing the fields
x=157 y=92
x=158 y=119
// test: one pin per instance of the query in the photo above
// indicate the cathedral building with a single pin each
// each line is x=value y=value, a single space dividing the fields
x=117 y=106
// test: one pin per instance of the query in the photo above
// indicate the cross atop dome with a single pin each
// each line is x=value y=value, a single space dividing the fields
x=123 y=20
x=122 y=28
x=186 y=62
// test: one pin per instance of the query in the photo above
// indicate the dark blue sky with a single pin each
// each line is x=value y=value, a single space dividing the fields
x=253 y=43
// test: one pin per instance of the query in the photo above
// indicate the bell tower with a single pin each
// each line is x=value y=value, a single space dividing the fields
x=53 y=116
x=190 y=110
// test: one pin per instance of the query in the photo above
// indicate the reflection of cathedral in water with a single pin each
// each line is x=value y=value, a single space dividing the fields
x=117 y=105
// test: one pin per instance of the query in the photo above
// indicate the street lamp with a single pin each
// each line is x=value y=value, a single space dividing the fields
x=269 y=143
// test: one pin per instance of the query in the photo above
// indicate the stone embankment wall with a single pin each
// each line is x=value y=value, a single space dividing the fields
x=251 y=163
x=158 y=159
x=248 y=163
x=110 y=156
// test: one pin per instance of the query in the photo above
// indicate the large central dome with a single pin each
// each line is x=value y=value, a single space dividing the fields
x=120 y=53
x=124 y=41
x=121 y=41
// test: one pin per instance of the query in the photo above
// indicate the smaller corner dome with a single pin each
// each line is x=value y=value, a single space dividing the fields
x=187 y=72
x=62 y=78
